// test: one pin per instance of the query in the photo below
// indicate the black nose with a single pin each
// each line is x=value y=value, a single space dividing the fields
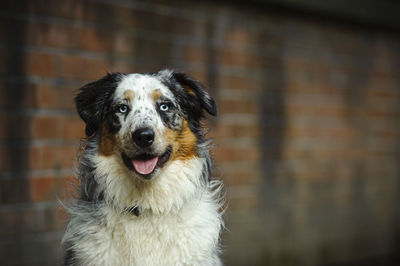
x=143 y=137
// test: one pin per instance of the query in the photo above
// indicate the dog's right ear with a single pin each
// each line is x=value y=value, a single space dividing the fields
x=92 y=100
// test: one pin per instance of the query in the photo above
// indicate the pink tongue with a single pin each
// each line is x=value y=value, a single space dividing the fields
x=145 y=167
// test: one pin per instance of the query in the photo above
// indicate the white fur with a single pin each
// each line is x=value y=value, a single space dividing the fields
x=175 y=183
x=179 y=222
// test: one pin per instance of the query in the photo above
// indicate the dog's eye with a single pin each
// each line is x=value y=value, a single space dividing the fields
x=164 y=107
x=123 y=108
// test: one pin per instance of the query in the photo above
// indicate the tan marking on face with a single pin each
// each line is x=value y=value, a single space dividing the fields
x=156 y=95
x=128 y=94
x=183 y=142
x=107 y=142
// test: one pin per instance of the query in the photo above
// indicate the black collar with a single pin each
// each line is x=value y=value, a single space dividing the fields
x=133 y=210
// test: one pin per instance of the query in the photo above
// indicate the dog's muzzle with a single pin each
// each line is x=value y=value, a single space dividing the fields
x=145 y=162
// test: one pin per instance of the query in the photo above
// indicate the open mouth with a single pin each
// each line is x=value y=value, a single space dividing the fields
x=146 y=164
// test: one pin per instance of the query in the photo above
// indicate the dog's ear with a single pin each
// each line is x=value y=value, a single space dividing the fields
x=195 y=88
x=91 y=101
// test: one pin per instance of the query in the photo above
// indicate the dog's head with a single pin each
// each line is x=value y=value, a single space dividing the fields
x=147 y=119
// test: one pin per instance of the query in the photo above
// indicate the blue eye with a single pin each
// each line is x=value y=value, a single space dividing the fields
x=123 y=108
x=164 y=107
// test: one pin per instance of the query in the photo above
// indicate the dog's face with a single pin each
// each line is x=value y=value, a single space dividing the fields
x=148 y=120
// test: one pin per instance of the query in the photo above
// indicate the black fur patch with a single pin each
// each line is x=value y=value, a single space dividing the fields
x=69 y=257
x=93 y=100
x=89 y=191
x=111 y=119
x=172 y=117
x=113 y=123
x=206 y=101
x=193 y=100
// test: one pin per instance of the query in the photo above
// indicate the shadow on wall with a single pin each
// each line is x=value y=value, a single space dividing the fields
x=274 y=214
x=273 y=123
x=16 y=142
x=323 y=214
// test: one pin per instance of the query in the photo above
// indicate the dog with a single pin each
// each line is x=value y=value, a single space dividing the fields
x=145 y=193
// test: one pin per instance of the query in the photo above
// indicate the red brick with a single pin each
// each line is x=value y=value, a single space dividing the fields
x=95 y=40
x=48 y=241
x=160 y=49
x=237 y=106
x=14 y=189
x=46 y=188
x=152 y=21
x=46 y=96
x=45 y=127
x=236 y=154
x=53 y=35
x=195 y=54
x=124 y=67
x=4 y=121
x=376 y=113
x=64 y=36
x=73 y=128
x=382 y=89
x=30 y=220
x=242 y=178
x=242 y=202
x=124 y=43
x=120 y=16
x=51 y=157
x=56 y=97
x=224 y=56
x=236 y=131
x=76 y=67
x=349 y=133
x=297 y=109
x=244 y=83
x=242 y=59
x=40 y=64
x=240 y=36
x=59 y=156
x=25 y=98
x=345 y=41
x=35 y=158
x=300 y=86
x=27 y=158
x=4 y=160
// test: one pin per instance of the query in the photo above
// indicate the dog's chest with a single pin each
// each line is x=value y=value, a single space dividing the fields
x=186 y=238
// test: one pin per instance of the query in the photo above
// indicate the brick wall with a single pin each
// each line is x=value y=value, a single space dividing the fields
x=308 y=133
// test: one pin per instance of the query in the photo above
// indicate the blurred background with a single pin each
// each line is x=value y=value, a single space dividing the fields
x=307 y=137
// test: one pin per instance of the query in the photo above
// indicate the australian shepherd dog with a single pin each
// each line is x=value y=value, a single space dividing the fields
x=146 y=196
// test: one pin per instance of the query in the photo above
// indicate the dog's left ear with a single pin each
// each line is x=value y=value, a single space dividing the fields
x=91 y=101
x=195 y=88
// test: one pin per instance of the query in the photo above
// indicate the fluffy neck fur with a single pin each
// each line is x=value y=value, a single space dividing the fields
x=177 y=182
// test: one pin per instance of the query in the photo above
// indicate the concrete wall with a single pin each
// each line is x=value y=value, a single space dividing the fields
x=307 y=138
